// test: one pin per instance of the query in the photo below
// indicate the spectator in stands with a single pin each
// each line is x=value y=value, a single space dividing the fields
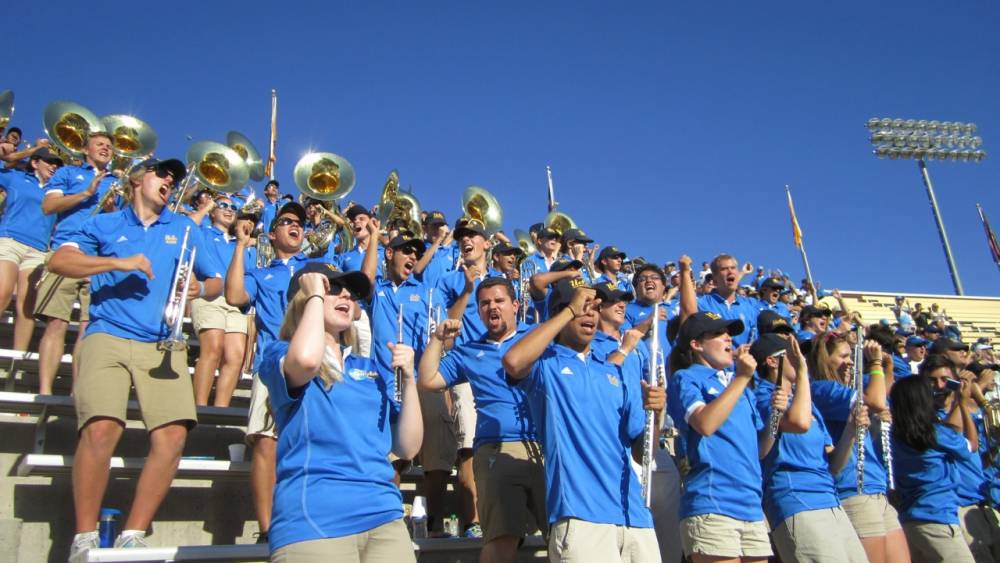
x=8 y=145
x=72 y=195
x=902 y=312
x=593 y=496
x=439 y=253
x=335 y=499
x=931 y=332
x=916 y=350
x=609 y=264
x=925 y=453
x=921 y=317
x=813 y=320
x=221 y=327
x=954 y=350
x=770 y=297
x=723 y=299
x=24 y=238
x=131 y=255
x=507 y=463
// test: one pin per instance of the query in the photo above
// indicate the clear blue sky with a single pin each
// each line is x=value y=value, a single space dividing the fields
x=670 y=127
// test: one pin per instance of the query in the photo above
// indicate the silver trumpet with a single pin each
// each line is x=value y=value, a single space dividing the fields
x=859 y=392
x=177 y=299
x=649 y=436
x=775 y=419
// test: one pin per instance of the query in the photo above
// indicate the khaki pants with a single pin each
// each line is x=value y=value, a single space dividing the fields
x=510 y=487
x=818 y=536
x=577 y=541
x=981 y=532
x=871 y=515
x=388 y=543
x=721 y=536
x=931 y=542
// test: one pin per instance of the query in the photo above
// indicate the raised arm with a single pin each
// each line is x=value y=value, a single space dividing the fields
x=57 y=203
x=522 y=355
x=235 y=290
x=689 y=301
x=429 y=379
x=876 y=389
x=369 y=266
x=70 y=262
x=706 y=419
x=308 y=344
x=539 y=283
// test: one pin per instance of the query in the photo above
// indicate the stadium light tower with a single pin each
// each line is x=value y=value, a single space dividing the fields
x=924 y=140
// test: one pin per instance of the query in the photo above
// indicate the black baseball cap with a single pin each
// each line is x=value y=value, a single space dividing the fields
x=810 y=311
x=977 y=367
x=435 y=218
x=469 y=227
x=609 y=293
x=610 y=252
x=770 y=322
x=505 y=248
x=355 y=282
x=356 y=210
x=565 y=264
x=172 y=165
x=942 y=345
x=562 y=294
x=292 y=207
x=406 y=238
x=772 y=283
x=46 y=155
x=536 y=228
x=768 y=345
x=704 y=322
x=269 y=182
x=576 y=235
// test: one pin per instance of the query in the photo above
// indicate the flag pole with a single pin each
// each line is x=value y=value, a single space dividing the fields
x=797 y=238
x=272 y=155
x=552 y=191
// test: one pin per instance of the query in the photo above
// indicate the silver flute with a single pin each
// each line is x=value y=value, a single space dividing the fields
x=859 y=392
x=886 y=429
x=775 y=419
x=650 y=433
x=398 y=372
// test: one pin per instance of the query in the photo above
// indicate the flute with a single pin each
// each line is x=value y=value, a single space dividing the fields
x=649 y=434
x=859 y=392
x=887 y=453
x=775 y=413
x=398 y=372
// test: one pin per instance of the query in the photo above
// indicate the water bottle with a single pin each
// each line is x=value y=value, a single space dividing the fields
x=418 y=518
x=451 y=526
x=108 y=529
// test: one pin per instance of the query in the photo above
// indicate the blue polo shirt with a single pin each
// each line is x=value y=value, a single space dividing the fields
x=268 y=212
x=636 y=313
x=334 y=476
x=796 y=472
x=219 y=245
x=835 y=402
x=70 y=180
x=588 y=421
x=742 y=308
x=502 y=413
x=725 y=475
x=927 y=481
x=900 y=367
x=539 y=261
x=268 y=288
x=352 y=260
x=383 y=310
x=442 y=262
x=621 y=281
x=22 y=218
x=450 y=286
x=971 y=486
x=129 y=304
x=778 y=307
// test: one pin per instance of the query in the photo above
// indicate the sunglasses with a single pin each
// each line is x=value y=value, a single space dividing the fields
x=336 y=288
x=230 y=206
x=644 y=279
x=285 y=221
x=161 y=173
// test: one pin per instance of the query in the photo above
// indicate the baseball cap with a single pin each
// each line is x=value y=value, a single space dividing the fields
x=355 y=282
x=772 y=283
x=609 y=293
x=435 y=218
x=562 y=294
x=942 y=345
x=406 y=238
x=610 y=252
x=810 y=311
x=576 y=235
x=505 y=247
x=769 y=322
x=355 y=210
x=768 y=345
x=46 y=155
x=292 y=207
x=465 y=227
x=704 y=322
x=172 y=165
x=565 y=264
x=916 y=341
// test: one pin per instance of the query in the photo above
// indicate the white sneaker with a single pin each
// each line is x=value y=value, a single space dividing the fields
x=83 y=542
x=131 y=540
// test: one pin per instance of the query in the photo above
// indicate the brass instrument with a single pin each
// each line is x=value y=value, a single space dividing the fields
x=387 y=200
x=248 y=152
x=482 y=207
x=406 y=214
x=524 y=241
x=558 y=222
x=173 y=314
x=859 y=391
x=6 y=108
x=325 y=177
x=216 y=167
x=68 y=125
x=132 y=141
x=991 y=422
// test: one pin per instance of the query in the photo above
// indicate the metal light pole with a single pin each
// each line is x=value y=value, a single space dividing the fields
x=924 y=140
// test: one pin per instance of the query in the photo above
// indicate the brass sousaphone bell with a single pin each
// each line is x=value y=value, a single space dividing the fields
x=6 y=107
x=481 y=206
x=406 y=214
x=68 y=125
x=558 y=222
x=325 y=177
x=524 y=242
x=216 y=167
x=387 y=200
x=132 y=141
x=242 y=145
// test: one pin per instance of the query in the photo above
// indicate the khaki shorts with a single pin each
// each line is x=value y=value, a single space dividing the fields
x=722 y=536
x=57 y=294
x=825 y=534
x=388 y=542
x=871 y=515
x=440 y=447
x=260 y=419
x=510 y=489
x=24 y=256
x=111 y=366
x=586 y=542
x=217 y=315
x=981 y=532
x=465 y=415
x=930 y=541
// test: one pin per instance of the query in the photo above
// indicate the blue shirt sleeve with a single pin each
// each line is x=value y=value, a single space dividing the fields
x=535 y=381
x=205 y=266
x=273 y=377
x=952 y=443
x=59 y=181
x=689 y=391
x=450 y=369
x=87 y=239
x=833 y=400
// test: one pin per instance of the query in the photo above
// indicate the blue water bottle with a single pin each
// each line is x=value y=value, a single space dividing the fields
x=109 y=526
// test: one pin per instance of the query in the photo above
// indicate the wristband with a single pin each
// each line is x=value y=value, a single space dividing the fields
x=876 y=372
x=311 y=296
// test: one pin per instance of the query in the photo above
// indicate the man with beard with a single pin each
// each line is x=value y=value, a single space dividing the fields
x=510 y=478
x=592 y=418
x=609 y=263
x=265 y=290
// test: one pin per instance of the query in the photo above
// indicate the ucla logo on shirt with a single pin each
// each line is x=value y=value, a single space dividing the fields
x=357 y=374
x=414 y=297
x=170 y=239
x=612 y=379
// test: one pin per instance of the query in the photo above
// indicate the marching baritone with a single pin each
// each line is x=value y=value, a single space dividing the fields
x=133 y=257
x=24 y=237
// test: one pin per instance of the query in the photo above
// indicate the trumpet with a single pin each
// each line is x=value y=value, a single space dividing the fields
x=173 y=314
x=859 y=391
x=649 y=437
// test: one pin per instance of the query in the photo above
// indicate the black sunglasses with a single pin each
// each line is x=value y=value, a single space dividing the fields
x=285 y=221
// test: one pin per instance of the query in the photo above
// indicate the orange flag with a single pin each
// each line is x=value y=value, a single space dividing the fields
x=796 y=230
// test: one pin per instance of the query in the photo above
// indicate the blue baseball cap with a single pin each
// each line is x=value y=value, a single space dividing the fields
x=916 y=341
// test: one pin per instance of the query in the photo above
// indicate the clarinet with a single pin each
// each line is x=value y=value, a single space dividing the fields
x=775 y=413
x=859 y=391
x=649 y=434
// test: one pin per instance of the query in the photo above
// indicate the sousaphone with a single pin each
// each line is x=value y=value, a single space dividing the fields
x=68 y=125
x=481 y=206
x=242 y=145
x=325 y=177
x=6 y=108
x=216 y=167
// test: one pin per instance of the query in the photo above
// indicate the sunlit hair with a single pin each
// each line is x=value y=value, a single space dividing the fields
x=820 y=357
x=718 y=260
x=293 y=315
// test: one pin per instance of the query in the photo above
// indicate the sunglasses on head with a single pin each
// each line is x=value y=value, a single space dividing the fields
x=231 y=206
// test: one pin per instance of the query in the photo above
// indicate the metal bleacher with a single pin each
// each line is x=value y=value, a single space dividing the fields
x=208 y=515
x=975 y=317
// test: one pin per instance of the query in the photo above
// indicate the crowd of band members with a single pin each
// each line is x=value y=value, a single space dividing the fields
x=550 y=369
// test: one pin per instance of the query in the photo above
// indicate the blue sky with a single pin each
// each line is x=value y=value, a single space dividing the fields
x=671 y=128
